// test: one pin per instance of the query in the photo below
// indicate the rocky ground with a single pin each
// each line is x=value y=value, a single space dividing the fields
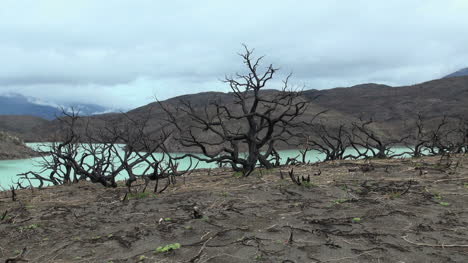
x=413 y=210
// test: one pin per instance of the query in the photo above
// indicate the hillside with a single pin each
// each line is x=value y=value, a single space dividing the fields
x=12 y=147
x=395 y=109
x=459 y=73
x=21 y=125
x=386 y=104
x=392 y=108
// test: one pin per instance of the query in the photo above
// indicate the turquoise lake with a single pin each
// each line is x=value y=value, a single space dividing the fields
x=10 y=168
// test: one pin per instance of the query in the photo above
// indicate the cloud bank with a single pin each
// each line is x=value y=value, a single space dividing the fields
x=121 y=54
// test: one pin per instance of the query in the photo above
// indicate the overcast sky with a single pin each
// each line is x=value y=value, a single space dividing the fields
x=122 y=53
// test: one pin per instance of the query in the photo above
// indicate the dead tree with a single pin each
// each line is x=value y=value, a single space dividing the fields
x=244 y=132
x=368 y=144
x=102 y=153
x=443 y=138
x=331 y=143
x=419 y=138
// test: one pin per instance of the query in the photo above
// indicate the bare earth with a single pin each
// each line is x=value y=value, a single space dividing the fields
x=413 y=210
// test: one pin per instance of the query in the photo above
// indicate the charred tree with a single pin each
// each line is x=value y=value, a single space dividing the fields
x=368 y=144
x=330 y=142
x=245 y=132
x=101 y=154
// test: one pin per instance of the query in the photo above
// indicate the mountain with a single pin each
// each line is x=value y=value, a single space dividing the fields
x=20 y=124
x=386 y=104
x=461 y=72
x=393 y=109
x=15 y=104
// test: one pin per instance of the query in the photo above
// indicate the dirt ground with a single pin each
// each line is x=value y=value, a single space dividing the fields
x=412 y=210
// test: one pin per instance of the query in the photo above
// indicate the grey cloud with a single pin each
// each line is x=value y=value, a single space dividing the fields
x=122 y=52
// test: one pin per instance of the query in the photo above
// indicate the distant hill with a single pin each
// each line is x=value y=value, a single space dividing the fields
x=15 y=104
x=23 y=126
x=385 y=104
x=11 y=147
x=391 y=108
x=460 y=73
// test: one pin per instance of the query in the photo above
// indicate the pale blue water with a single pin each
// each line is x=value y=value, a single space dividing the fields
x=10 y=168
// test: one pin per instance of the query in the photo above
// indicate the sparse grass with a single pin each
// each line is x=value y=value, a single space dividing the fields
x=237 y=174
x=394 y=195
x=339 y=201
x=140 y=195
x=168 y=248
x=308 y=184
x=29 y=227
x=444 y=203
x=356 y=220
x=259 y=172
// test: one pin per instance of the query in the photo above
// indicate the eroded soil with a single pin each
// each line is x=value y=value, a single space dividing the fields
x=413 y=210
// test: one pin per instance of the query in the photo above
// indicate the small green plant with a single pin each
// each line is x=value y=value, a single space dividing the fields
x=339 y=201
x=237 y=174
x=168 y=248
x=140 y=195
x=394 y=195
x=258 y=257
x=444 y=204
x=168 y=219
x=436 y=196
x=356 y=220
x=30 y=227
x=142 y=258
x=465 y=185
x=96 y=237
x=308 y=184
